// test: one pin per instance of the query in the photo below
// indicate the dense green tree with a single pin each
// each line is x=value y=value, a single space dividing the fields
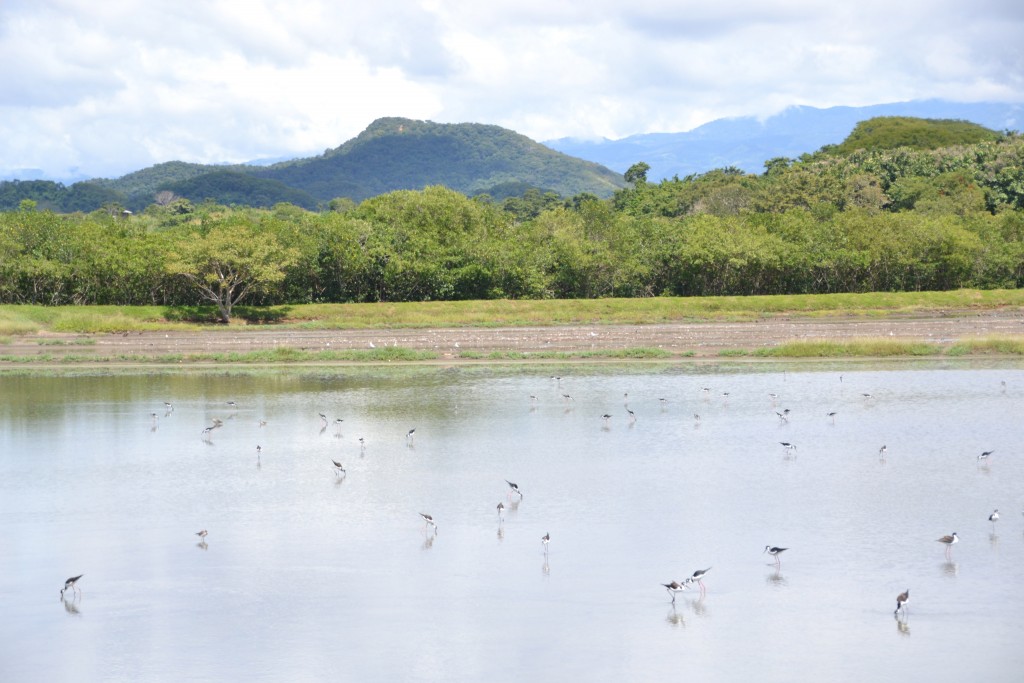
x=229 y=262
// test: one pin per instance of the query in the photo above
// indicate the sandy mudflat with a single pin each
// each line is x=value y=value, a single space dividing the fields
x=703 y=339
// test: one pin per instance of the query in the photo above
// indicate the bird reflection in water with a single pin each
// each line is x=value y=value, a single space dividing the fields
x=202 y=545
x=776 y=578
x=428 y=542
x=950 y=569
x=674 y=618
x=902 y=623
x=546 y=567
x=501 y=532
x=71 y=607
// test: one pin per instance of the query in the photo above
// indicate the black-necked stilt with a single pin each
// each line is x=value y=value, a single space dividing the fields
x=774 y=552
x=545 y=539
x=783 y=416
x=866 y=395
x=362 y=444
x=673 y=588
x=70 y=583
x=410 y=435
x=322 y=417
x=994 y=517
x=698 y=577
x=262 y=423
x=428 y=522
x=339 y=470
x=901 y=601
x=606 y=417
x=513 y=488
x=949 y=541
x=232 y=404
x=167 y=406
x=788 y=446
x=207 y=431
x=985 y=455
x=567 y=398
x=202 y=534
x=696 y=418
x=501 y=511
x=632 y=415
x=831 y=414
x=882 y=451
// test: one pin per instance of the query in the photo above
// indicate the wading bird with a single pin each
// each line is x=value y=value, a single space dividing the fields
x=949 y=541
x=673 y=588
x=429 y=522
x=698 y=578
x=513 y=488
x=901 y=601
x=70 y=583
x=774 y=552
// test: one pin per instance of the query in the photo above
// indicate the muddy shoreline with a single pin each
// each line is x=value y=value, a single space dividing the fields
x=696 y=339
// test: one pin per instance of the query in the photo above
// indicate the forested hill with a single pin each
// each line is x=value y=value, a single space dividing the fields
x=402 y=154
x=391 y=154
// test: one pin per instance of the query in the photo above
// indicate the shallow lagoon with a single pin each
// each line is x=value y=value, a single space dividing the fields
x=307 y=576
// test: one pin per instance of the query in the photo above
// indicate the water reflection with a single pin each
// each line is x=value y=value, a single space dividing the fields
x=674 y=618
x=81 y=467
x=902 y=624
x=71 y=607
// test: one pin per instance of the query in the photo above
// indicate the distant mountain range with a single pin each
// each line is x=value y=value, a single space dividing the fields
x=747 y=142
x=397 y=153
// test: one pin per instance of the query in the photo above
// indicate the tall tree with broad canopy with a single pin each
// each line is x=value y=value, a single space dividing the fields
x=230 y=262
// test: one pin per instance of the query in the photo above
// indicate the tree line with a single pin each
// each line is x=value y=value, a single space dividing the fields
x=883 y=220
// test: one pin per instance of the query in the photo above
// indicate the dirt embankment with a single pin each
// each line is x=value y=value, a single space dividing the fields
x=700 y=338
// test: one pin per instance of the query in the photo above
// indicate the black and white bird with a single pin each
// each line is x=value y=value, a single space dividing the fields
x=984 y=456
x=410 y=435
x=513 y=488
x=501 y=511
x=429 y=522
x=994 y=517
x=339 y=469
x=698 y=578
x=70 y=583
x=673 y=588
x=774 y=552
x=901 y=601
x=948 y=541
x=202 y=534
x=545 y=539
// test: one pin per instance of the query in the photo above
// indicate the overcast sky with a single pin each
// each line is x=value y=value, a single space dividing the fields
x=104 y=87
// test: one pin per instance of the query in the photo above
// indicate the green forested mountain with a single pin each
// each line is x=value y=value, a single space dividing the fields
x=890 y=132
x=391 y=154
x=237 y=188
x=402 y=154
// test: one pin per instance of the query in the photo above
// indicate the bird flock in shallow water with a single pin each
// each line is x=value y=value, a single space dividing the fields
x=674 y=587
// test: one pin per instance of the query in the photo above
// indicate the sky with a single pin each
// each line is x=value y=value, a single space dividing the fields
x=100 y=89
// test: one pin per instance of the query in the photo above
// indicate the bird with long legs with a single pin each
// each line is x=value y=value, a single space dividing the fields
x=901 y=602
x=339 y=469
x=994 y=517
x=698 y=578
x=513 y=488
x=410 y=436
x=428 y=522
x=948 y=541
x=501 y=512
x=775 y=552
x=545 y=540
x=983 y=458
x=72 y=584
x=673 y=588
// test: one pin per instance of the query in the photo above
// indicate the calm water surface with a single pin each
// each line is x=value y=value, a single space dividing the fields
x=306 y=576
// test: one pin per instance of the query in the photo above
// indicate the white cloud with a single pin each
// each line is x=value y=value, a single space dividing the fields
x=115 y=86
